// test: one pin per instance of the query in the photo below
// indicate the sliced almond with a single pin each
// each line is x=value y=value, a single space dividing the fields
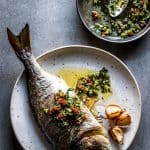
x=117 y=134
x=95 y=15
x=90 y=102
x=113 y=111
x=124 y=119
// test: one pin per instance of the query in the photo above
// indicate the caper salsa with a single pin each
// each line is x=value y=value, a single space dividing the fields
x=131 y=21
x=66 y=110
x=88 y=88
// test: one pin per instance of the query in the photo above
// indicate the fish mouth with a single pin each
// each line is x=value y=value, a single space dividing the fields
x=92 y=132
x=93 y=140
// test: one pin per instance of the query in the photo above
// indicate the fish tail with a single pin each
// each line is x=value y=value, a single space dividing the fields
x=21 y=43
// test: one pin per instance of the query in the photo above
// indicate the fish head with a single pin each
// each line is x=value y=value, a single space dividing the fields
x=94 y=142
x=90 y=135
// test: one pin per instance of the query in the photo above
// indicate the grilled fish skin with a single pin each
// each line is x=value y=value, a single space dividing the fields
x=42 y=86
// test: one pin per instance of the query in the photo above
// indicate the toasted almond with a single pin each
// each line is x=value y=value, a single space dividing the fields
x=117 y=134
x=95 y=15
x=124 y=119
x=90 y=102
x=113 y=111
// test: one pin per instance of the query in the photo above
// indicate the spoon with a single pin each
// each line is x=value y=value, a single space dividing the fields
x=146 y=3
x=116 y=7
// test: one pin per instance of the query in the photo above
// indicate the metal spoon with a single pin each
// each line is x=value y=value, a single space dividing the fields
x=146 y=3
x=116 y=7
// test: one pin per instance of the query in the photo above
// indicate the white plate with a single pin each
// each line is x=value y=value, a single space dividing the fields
x=125 y=89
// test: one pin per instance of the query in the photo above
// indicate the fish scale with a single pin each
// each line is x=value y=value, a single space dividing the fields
x=42 y=87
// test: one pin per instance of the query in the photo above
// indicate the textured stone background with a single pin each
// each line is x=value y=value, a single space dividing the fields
x=55 y=23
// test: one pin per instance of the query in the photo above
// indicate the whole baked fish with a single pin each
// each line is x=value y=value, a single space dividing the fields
x=63 y=118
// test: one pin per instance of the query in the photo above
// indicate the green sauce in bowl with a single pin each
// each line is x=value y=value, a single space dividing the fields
x=132 y=21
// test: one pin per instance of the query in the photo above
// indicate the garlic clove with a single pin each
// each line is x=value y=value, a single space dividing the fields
x=124 y=119
x=113 y=111
x=117 y=134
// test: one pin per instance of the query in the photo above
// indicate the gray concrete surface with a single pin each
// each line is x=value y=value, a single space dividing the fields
x=55 y=23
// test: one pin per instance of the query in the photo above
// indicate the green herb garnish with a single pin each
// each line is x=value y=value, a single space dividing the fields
x=94 y=83
x=66 y=111
x=132 y=21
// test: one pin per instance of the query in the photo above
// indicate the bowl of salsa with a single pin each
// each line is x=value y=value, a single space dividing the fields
x=131 y=24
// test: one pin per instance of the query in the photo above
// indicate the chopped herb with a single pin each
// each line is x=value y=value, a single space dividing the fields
x=96 y=2
x=132 y=21
x=90 y=86
x=66 y=110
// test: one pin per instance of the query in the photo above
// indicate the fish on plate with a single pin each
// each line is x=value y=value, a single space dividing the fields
x=63 y=118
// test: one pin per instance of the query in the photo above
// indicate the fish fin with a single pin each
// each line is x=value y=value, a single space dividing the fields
x=21 y=42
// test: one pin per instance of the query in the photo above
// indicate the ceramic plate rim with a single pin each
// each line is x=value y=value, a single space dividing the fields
x=79 y=46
